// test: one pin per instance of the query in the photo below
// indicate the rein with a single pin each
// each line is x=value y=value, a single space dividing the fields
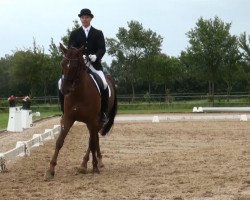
x=70 y=59
x=75 y=78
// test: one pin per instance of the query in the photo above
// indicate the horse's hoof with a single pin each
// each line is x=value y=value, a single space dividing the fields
x=82 y=170
x=49 y=175
x=96 y=171
x=100 y=163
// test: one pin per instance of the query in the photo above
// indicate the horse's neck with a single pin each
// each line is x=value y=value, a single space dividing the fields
x=82 y=87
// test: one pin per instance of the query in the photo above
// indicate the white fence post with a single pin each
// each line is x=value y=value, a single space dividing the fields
x=3 y=167
x=40 y=140
x=23 y=147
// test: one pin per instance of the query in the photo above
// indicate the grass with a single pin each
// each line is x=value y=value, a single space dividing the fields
x=3 y=120
x=136 y=107
x=122 y=109
x=4 y=117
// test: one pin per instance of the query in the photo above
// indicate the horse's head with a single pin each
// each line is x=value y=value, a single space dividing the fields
x=72 y=66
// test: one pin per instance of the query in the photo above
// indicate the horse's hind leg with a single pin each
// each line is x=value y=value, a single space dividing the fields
x=65 y=126
x=93 y=148
x=93 y=140
x=83 y=167
x=99 y=155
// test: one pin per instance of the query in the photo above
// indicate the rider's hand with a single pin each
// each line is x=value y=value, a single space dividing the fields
x=92 y=57
x=84 y=57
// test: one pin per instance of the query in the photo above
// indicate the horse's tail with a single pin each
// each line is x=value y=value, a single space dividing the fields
x=113 y=112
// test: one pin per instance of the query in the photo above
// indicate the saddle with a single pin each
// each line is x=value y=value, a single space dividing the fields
x=97 y=80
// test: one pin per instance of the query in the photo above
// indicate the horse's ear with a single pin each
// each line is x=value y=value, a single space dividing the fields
x=63 y=48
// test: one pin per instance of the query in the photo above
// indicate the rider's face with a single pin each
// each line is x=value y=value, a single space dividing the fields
x=85 y=19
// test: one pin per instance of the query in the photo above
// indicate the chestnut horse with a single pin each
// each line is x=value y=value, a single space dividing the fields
x=82 y=103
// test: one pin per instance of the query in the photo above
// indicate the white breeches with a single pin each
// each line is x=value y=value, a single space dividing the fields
x=60 y=84
x=101 y=74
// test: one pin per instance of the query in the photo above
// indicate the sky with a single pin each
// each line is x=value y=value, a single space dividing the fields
x=22 y=21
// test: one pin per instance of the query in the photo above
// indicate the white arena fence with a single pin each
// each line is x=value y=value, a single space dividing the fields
x=183 y=117
x=220 y=109
x=23 y=148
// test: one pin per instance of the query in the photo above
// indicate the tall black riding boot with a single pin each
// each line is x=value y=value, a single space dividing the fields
x=104 y=107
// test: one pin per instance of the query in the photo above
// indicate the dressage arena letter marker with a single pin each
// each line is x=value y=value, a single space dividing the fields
x=243 y=118
x=155 y=119
x=195 y=109
x=200 y=109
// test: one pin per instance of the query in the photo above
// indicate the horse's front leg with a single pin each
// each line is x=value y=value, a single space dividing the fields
x=65 y=126
x=83 y=167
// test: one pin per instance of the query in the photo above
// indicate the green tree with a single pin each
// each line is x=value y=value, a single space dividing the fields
x=55 y=52
x=231 y=70
x=167 y=71
x=245 y=46
x=27 y=68
x=55 y=59
x=130 y=48
x=52 y=69
x=65 y=38
x=209 y=44
x=5 y=76
x=152 y=49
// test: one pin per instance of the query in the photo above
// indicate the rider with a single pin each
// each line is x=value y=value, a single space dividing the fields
x=94 y=44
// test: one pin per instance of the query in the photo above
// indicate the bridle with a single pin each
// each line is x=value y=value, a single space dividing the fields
x=76 y=75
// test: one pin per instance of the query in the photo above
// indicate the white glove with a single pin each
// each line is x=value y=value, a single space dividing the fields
x=92 y=57
x=84 y=57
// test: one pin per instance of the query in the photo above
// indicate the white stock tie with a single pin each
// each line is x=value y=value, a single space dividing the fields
x=86 y=32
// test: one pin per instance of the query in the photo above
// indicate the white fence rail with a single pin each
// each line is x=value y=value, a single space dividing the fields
x=221 y=109
x=23 y=148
